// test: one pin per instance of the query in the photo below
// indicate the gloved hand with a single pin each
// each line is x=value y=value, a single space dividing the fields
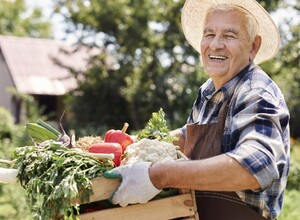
x=136 y=186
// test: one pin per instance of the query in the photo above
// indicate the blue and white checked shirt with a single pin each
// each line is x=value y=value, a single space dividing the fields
x=256 y=132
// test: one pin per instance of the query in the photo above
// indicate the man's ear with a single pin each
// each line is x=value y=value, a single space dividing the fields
x=255 y=47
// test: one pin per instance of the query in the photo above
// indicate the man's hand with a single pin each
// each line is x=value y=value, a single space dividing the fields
x=136 y=186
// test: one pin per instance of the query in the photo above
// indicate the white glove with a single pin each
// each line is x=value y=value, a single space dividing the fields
x=8 y=175
x=136 y=186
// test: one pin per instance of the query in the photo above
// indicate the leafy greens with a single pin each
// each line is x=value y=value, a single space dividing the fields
x=157 y=128
x=53 y=175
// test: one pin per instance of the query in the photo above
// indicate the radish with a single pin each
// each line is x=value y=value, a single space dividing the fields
x=8 y=175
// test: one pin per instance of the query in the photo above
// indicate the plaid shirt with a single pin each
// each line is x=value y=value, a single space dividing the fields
x=256 y=132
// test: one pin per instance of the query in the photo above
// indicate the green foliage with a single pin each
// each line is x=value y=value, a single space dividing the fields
x=53 y=175
x=13 y=205
x=294 y=176
x=29 y=109
x=294 y=173
x=291 y=199
x=285 y=68
x=11 y=135
x=6 y=124
x=157 y=128
x=16 y=20
x=270 y=5
x=291 y=204
x=130 y=80
x=289 y=79
x=146 y=63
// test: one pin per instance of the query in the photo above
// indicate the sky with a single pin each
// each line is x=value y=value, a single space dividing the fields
x=57 y=21
x=58 y=24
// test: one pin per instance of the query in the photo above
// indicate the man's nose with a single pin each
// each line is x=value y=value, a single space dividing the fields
x=216 y=43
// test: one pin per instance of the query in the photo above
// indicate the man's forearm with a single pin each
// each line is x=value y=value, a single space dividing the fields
x=220 y=173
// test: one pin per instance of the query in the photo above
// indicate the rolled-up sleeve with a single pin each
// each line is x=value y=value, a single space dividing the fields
x=260 y=163
x=261 y=141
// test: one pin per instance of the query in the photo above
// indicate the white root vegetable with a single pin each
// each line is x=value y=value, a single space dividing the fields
x=102 y=156
x=97 y=155
x=8 y=175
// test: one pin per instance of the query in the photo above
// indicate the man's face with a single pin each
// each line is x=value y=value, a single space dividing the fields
x=225 y=46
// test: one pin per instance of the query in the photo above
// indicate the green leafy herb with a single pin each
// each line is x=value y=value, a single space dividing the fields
x=53 y=175
x=157 y=128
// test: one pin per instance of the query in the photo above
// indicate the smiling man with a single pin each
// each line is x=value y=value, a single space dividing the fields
x=237 y=134
x=226 y=47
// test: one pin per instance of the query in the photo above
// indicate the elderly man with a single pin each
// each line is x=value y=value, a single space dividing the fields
x=237 y=135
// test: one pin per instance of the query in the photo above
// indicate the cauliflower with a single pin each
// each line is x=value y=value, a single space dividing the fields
x=150 y=151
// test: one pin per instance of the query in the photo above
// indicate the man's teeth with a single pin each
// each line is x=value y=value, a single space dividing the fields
x=218 y=57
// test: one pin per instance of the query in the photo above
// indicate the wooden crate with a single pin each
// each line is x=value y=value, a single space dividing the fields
x=181 y=206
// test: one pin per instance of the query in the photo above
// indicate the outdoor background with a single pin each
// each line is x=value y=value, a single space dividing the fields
x=153 y=67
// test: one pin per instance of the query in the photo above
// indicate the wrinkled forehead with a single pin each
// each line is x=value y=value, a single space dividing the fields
x=226 y=21
x=241 y=16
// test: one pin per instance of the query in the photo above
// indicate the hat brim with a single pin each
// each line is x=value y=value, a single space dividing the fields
x=194 y=12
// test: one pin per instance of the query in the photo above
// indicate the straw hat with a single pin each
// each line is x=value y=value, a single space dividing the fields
x=194 y=12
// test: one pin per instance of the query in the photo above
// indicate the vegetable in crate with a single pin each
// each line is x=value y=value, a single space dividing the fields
x=8 y=175
x=157 y=128
x=119 y=136
x=150 y=151
x=53 y=174
x=85 y=142
x=39 y=133
x=108 y=148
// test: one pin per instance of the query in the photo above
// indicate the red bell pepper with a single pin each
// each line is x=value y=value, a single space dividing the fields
x=119 y=136
x=108 y=148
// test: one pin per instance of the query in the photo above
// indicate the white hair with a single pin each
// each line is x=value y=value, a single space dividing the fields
x=252 y=26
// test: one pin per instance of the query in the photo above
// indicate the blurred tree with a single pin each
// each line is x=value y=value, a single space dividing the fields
x=152 y=65
x=15 y=19
x=145 y=63
x=285 y=68
x=270 y=5
x=289 y=80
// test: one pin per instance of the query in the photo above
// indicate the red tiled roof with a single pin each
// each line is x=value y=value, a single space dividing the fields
x=33 y=70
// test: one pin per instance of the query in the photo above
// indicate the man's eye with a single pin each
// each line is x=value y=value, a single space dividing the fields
x=228 y=36
x=209 y=35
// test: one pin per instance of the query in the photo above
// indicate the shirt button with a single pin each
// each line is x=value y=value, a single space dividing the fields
x=210 y=105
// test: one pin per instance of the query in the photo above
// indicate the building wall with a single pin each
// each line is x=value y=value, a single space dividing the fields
x=5 y=82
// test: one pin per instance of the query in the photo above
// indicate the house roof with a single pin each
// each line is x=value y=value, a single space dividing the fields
x=33 y=68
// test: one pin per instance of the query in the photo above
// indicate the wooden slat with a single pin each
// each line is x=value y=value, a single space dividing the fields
x=103 y=189
x=167 y=208
x=180 y=206
x=195 y=204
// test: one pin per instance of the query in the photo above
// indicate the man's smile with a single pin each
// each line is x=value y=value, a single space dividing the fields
x=214 y=57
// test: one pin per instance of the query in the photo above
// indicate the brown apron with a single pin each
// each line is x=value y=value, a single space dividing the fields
x=204 y=141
